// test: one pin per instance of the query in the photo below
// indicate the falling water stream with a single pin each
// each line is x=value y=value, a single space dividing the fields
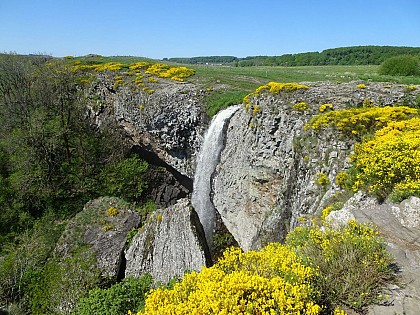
x=208 y=159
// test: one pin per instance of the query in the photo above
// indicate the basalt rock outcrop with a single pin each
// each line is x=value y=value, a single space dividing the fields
x=268 y=173
x=168 y=123
x=103 y=226
x=169 y=244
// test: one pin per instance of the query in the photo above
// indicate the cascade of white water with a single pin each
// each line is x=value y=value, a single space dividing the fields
x=208 y=159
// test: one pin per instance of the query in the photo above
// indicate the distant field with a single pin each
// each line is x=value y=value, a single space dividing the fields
x=247 y=78
x=231 y=84
x=239 y=81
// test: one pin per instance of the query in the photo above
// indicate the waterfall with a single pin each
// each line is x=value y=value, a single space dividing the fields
x=208 y=159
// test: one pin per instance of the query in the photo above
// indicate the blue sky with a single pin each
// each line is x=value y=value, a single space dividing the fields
x=178 y=28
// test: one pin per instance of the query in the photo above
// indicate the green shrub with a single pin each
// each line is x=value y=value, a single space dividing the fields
x=125 y=179
x=57 y=288
x=352 y=263
x=401 y=66
x=118 y=299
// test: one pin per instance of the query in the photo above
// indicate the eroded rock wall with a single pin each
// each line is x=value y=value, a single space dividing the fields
x=269 y=169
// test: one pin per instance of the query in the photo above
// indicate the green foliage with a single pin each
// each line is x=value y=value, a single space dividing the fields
x=125 y=179
x=358 y=55
x=21 y=262
x=57 y=288
x=54 y=153
x=353 y=266
x=118 y=299
x=401 y=66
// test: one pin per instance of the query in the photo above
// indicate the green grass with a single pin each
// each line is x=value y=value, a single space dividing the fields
x=222 y=99
x=248 y=78
x=238 y=81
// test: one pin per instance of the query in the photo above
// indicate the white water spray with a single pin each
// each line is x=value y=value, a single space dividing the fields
x=207 y=161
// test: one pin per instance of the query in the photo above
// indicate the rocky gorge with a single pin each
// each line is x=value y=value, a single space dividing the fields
x=264 y=183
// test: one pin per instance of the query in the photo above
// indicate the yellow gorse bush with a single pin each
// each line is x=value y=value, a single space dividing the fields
x=174 y=73
x=361 y=120
x=301 y=106
x=275 y=88
x=386 y=163
x=389 y=160
x=270 y=281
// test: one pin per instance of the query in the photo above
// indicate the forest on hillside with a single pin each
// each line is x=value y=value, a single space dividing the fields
x=358 y=55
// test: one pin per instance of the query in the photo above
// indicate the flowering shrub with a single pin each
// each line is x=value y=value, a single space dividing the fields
x=359 y=121
x=322 y=179
x=325 y=107
x=275 y=88
x=174 y=73
x=387 y=164
x=308 y=275
x=139 y=65
x=112 y=211
x=389 y=161
x=352 y=263
x=107 y=228
x=301 y=106
x=270 y=281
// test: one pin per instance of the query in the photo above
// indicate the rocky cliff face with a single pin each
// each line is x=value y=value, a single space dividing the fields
x=168 y=124
x=267 y=177
x=269 y=171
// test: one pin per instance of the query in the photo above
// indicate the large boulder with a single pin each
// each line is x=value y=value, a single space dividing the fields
x=102 y=225
x=169 y=244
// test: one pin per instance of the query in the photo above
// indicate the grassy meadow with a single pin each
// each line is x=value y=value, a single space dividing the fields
x=236 y=82
x=228 y=85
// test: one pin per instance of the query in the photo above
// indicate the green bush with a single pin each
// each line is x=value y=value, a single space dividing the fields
x=352 y=263
x=401 y=66
x=125 y=179
x=118 y=299
x=58 y=287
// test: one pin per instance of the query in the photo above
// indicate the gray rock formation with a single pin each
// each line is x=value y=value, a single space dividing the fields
x=267 y=176
x=169 y=244
x=105 y=231
x=170 y=123
x=399 y=225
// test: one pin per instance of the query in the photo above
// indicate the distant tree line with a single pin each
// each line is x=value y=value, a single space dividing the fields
x=357 y=55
